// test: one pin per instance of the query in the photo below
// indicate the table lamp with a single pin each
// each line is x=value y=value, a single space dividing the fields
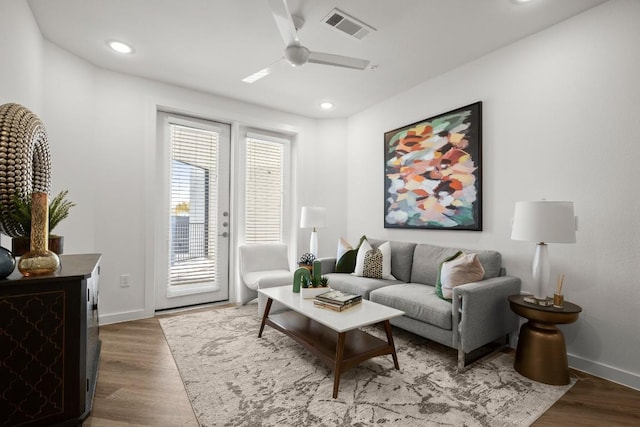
x=543 y=222
x=313 y=217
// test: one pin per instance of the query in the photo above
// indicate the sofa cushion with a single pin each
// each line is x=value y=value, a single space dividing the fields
x=418 y=302
x=343 y=247
x=356 y=284
x=401 y=258
x=427 y=258
x=458 y=271
x=439 y=278
x=346 y=260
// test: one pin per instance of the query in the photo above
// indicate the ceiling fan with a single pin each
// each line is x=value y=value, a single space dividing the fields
x=295 y=53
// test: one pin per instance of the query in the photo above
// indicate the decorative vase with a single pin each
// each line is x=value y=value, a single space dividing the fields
x=22 y=245
x=300 y=277
x=39 y=260
x=7 y=262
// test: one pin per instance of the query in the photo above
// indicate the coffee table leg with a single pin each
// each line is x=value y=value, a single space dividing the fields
x=264 y=316
x=387 y=328
x=337 y=371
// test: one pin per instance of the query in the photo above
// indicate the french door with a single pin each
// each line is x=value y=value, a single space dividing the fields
x=192 y=259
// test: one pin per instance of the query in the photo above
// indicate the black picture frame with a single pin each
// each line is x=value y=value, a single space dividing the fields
x=433 y=172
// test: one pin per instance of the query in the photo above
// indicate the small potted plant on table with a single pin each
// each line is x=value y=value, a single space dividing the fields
x=316 y=285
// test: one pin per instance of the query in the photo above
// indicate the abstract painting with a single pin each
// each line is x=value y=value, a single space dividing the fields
x=433 y=172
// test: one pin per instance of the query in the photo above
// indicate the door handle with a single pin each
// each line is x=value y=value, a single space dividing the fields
x=225 y=234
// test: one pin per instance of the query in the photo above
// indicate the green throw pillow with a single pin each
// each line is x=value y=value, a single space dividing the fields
x=438 y=283
x=347 y=262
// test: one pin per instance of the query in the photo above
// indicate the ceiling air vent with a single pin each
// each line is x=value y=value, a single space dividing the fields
x=347 y=24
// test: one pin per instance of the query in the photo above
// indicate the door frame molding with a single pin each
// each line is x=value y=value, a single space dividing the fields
x=236 y=117
x=167 y=297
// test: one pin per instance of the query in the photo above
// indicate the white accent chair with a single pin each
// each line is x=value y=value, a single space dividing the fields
x=263 y=266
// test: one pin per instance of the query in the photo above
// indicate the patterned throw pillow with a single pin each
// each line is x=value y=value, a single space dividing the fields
x=372 y=264
x=385 y=250
x=346 y=256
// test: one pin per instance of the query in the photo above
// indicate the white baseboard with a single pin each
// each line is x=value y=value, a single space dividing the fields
x=616 y=375
x=123 y=317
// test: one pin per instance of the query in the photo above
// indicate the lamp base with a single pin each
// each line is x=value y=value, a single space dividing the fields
x=313 y=244
x=541 y=271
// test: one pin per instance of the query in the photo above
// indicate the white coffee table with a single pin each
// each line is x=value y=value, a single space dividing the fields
x=334 y=337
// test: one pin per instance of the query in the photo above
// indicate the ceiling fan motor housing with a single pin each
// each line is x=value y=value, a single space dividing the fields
x=296 y=55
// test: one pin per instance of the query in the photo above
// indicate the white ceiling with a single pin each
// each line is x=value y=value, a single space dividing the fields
x=211 y=45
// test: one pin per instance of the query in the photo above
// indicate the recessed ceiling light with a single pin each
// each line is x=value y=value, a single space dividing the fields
x=120 y=47
x=520 y=1
x=326 y=105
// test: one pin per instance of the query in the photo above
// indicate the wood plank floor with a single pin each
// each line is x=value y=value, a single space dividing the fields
x=139 y=385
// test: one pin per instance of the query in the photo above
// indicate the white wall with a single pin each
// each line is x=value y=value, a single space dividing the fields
x=20 y=61
x=327 y=162
x=20 y=56
x=561 y=120
x=68 y=115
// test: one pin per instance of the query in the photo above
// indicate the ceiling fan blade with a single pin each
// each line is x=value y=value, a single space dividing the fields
x=262 y=73
x=338 y=60
x=283 y=19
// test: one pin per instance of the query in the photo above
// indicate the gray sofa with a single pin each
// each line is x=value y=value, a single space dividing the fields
x=479 y=313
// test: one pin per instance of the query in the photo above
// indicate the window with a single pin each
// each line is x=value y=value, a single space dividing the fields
x=192 y=244
x=266 y=160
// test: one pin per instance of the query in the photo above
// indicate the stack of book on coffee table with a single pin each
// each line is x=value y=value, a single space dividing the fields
x=336 y=300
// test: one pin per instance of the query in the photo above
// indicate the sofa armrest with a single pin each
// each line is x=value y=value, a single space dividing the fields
x=328 y=265
x=484 y=313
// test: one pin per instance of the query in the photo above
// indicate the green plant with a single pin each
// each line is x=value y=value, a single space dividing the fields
x=58 y=210
x=313 y=282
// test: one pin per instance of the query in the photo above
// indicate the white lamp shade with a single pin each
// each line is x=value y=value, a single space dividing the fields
x=544 y=221
x=313 y=217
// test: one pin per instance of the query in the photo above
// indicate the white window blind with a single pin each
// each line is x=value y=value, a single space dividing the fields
x=193 y=182
x=264 y=192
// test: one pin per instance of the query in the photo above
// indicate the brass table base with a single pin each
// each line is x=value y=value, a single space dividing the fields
x=541 y=354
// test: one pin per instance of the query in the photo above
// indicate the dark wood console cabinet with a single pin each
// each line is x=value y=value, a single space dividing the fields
x=49 y=344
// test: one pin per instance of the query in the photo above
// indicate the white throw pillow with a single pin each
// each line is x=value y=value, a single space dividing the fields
x=343 y=247
x=385 y=248
x=362 y=251
x=461 y=270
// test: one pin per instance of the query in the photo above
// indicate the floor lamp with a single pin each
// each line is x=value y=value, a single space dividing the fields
x=543 y=222
x=313 y=217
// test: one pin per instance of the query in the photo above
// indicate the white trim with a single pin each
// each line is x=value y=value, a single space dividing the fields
x=124 y=316
x=179 y=119
x=609 y=373
x=234 y=185
x=266 y=136
x=152 y=129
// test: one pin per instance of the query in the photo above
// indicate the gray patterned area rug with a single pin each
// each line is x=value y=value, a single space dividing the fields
x=234 y=378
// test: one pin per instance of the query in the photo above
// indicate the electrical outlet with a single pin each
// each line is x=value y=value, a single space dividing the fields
x=124 y=280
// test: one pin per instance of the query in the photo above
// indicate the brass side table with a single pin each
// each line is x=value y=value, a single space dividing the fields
x=542 y=354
